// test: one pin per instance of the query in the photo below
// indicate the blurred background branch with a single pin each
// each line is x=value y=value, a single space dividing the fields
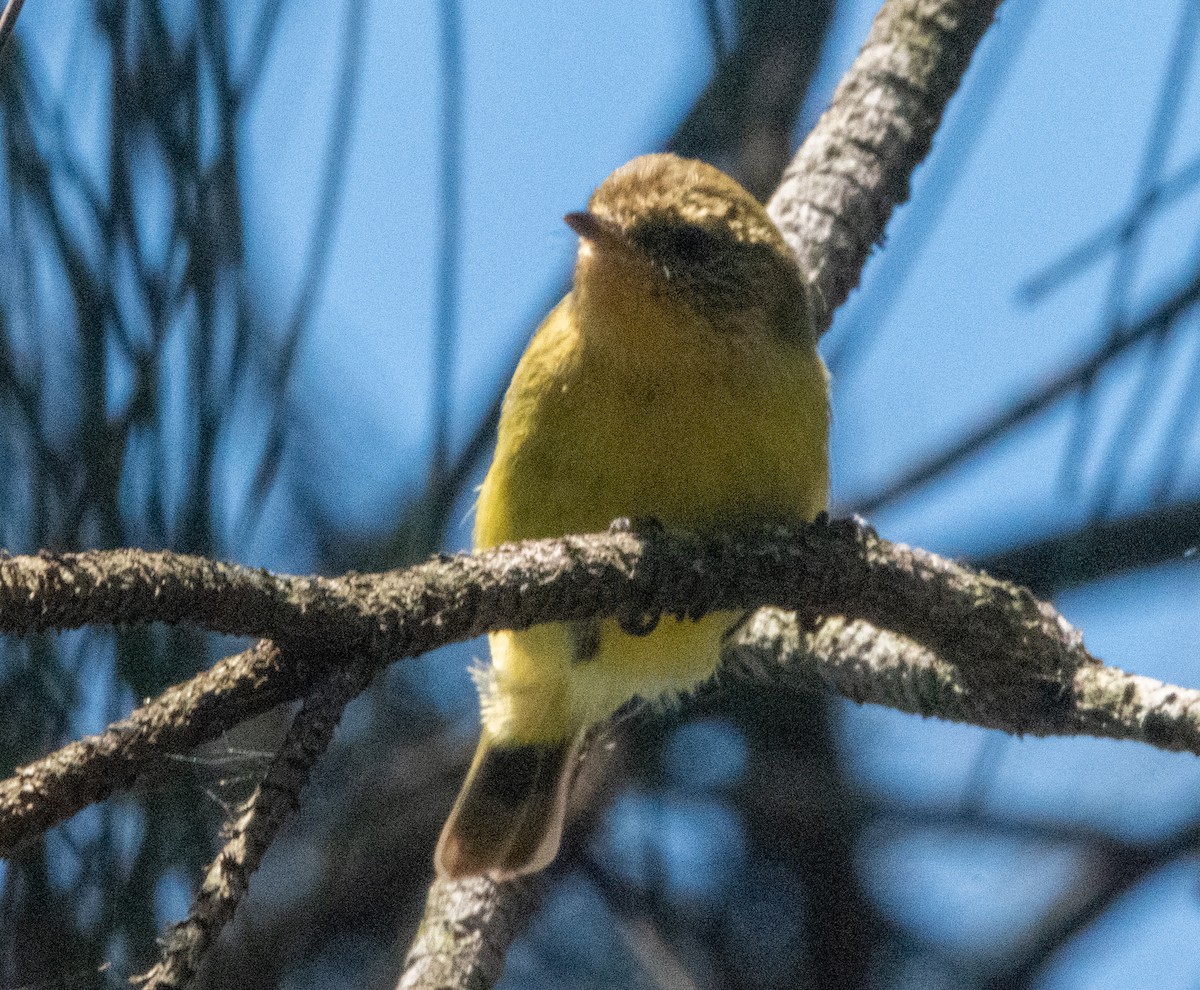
x=8 y=20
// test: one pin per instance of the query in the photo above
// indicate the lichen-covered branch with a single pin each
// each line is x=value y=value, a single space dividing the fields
x=869 y=665
x=854 y=167
x=960 y=645
x=465 y=932
x=1002 y=657
x=985 y=626
x=53 y=788
x=248 y=838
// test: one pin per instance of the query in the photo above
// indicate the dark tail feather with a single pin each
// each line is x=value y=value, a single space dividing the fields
x=508 y=818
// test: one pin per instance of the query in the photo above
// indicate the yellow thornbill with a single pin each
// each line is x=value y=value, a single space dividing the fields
x=678 y=380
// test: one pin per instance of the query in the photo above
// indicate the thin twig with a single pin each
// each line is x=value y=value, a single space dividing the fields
x=450 y=234
x=1120 y=868
x=1080 y=258
x=321 y=241
x=181 y=718
x=1123 y=274
x=1051 y=391
x=1102 y=548
x=248 y=838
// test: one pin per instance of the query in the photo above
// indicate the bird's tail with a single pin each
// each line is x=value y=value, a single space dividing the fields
x=508 y=818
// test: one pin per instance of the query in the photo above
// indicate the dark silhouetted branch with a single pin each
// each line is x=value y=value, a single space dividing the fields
x=1057 y=387
x=1101 y=548
x=744 y=120
x=1080 y=258
x=8 y=20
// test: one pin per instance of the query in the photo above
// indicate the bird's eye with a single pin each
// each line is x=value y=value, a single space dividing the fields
x=691 y=243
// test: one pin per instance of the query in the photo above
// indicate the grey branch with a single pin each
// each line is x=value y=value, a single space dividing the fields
x=867 y=665
x=248 y=838
x=465 y=932
x=854 y=168
x=1013 y=661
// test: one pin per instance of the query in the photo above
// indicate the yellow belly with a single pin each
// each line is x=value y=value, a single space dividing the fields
x=625 y=405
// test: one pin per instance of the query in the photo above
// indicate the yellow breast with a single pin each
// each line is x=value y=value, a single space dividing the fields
x=626 y=403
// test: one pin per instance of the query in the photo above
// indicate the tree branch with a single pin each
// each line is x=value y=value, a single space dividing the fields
x=854 y=168
x=869 y=665
x=989 y=653
x=8 y=20
x=744 y=119
x=1058 y=386
x=962 y=646
x=465 y=932
x=967 y=618
x=1101 y=548
x=182 y=717
x=247 y=839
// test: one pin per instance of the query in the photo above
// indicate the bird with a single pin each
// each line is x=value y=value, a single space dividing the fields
x=679 y=382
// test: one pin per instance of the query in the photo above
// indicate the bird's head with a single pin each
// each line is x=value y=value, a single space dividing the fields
x=698 y=235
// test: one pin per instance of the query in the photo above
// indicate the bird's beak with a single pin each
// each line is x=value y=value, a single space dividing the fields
x=593 y=228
